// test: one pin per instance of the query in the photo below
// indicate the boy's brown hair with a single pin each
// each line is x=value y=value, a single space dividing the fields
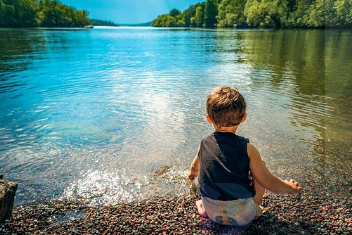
x=226 y=106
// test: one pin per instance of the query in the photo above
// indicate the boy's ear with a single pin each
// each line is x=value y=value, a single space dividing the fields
x=209 y=120
x=244 y=118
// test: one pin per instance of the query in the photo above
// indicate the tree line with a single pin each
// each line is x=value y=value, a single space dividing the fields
x=40 y=13
x=261 y=13
x=97 y=22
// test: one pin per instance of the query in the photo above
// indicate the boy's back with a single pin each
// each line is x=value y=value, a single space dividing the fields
x=224 y=167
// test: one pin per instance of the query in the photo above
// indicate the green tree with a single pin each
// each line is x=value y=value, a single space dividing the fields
x=188 y=14
x=231 y=12
x=19 y=13
x=210 y=13
x=49 y=13
x=344 y=12
x=173 y=19
x=322 y=14
x=299 y=15
x=261 y=13
x=267 y=13
x=7 y=15
x=198 y=19
x=174 y=12
x=54 y=13
x=253 y=12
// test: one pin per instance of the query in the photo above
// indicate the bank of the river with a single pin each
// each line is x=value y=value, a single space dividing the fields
x=303 y=214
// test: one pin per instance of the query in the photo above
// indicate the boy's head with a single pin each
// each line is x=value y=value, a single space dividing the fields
x=226 y=107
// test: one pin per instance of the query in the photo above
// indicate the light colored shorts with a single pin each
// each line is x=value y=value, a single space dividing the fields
x=237 y=212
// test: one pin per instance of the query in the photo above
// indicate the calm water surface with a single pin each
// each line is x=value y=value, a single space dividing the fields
x=116 y=114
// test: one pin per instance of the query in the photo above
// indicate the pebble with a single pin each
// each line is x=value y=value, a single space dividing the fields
x=284 y=214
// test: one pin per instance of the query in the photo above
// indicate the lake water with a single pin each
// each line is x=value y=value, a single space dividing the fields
x=116 y=114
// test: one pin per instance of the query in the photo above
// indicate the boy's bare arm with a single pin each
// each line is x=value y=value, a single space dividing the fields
x=266 y=178
x=194 y=167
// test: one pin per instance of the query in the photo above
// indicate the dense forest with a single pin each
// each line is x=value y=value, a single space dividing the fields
x=97 y=22
x=262 y=13
x=45 y=13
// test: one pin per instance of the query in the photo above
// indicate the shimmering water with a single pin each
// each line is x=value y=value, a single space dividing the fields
x=116 y=114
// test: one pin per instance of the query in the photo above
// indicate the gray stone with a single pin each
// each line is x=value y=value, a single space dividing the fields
x=7 y=197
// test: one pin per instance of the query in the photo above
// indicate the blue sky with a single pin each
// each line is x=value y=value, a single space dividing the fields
x=129 y=11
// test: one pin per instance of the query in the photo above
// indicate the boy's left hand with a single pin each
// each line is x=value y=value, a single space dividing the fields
x=295 y=187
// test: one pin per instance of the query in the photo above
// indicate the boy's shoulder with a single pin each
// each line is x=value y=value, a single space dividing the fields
x=208 y=137
x=224 y=135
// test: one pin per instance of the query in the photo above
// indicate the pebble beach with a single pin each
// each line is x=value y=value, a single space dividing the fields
x=283 y=214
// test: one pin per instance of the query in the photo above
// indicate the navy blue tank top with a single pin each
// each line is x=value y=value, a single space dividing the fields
x=224 y=172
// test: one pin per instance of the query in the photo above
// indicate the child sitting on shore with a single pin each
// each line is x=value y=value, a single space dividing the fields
x=231 y=174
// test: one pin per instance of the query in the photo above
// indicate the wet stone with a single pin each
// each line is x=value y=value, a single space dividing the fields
x=7 y=197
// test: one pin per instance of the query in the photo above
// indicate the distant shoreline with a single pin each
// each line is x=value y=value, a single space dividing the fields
x=217 y=29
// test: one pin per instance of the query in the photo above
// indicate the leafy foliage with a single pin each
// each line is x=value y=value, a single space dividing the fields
x=261 y=13
x=210 y=13
x=231 y=12
x=34 y=13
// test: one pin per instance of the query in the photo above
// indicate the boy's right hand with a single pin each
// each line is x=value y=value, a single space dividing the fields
x=191 y=176
x=294 y=185
x=194 y=171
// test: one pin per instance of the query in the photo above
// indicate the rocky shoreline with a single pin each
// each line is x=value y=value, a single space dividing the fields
x=284 y=214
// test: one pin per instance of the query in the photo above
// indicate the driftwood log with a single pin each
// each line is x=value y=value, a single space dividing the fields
x=7 y=197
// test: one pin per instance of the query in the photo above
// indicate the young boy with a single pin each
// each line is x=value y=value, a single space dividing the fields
x=231 y=174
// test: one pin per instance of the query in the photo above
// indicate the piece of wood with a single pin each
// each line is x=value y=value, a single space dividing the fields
x=7 y=198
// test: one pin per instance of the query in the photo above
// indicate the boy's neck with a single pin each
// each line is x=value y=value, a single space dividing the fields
x=231 y=129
